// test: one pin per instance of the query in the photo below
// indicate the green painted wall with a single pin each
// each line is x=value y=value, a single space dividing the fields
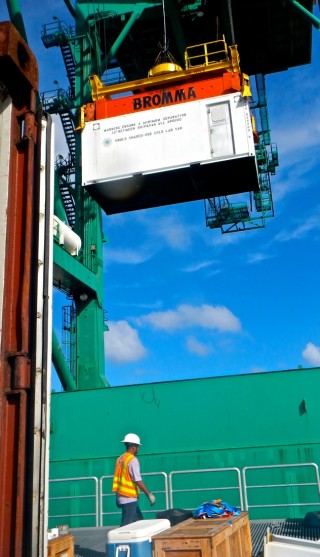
x=244 y=420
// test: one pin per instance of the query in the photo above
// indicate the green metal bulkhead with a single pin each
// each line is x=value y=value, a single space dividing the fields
x=219 y=423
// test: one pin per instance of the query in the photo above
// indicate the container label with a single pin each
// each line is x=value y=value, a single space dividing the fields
x=164 y=98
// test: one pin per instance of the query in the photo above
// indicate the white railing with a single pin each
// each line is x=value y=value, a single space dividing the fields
x=247 y=487
x=170 y=493
x=211 y=472
x=77 y=497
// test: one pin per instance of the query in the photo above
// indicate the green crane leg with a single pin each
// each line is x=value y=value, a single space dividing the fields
x=61 y=366
x=133 y=18
x=90 y=347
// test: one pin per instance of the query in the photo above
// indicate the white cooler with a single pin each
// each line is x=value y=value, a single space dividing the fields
x=135 y=539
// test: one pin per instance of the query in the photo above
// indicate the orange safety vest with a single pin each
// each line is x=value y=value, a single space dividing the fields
x=122 y=482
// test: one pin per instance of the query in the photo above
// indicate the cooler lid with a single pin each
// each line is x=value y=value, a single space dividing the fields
x=138 y=531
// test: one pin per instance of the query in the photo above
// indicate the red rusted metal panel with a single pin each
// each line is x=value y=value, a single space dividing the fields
x=14 y=412
x=18 y=65
x=19 y=75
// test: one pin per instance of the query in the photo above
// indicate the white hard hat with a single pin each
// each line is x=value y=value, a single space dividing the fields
x=131 y=438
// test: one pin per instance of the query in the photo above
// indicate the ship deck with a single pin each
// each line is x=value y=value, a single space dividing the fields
x=92 y=542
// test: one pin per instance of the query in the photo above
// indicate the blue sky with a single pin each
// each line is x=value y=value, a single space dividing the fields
x=185 y=301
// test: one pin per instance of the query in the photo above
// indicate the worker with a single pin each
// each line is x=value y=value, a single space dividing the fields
x=127 y=482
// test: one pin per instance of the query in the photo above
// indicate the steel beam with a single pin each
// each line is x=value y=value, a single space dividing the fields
x=19 y=76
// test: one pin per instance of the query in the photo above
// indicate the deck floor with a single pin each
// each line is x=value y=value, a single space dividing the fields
x=92 y=542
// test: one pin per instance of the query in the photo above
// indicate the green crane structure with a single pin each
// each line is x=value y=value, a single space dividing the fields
x=123 y=37
x=113 y=38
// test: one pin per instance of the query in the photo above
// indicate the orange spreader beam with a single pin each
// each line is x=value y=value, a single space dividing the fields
x=184 y=91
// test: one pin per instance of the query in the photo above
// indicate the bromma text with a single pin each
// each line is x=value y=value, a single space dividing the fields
x=166 y=97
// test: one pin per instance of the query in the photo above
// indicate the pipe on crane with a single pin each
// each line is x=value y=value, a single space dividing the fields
x=315 y=21
x=16 y=17
x=60 y=364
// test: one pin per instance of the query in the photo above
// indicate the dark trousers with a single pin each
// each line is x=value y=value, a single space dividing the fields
x=130 y=513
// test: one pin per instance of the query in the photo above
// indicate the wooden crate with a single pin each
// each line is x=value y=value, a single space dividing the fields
x=63 y=546
x=212 y=537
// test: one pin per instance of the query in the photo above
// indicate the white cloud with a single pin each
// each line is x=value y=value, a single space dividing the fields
x=214 y=272
x=123 y=343
x=311 y=354
x=176 y=235
x=169 y=231
x=294 y=174
x=196 y=347
x=61 y=147
x=298 y=138
x=257 y=369
x=219 y=239
x=298 y=143
x=128 y=256
x=309 y=225
x=186 y=316
x=197 y=266
x=257 y=257
x=145 y=306
x=118 y=220
x=294 y=107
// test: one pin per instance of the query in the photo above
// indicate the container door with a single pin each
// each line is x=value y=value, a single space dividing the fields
x=220 y=126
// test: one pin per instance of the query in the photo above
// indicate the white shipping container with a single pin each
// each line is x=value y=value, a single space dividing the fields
x=119 y=152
